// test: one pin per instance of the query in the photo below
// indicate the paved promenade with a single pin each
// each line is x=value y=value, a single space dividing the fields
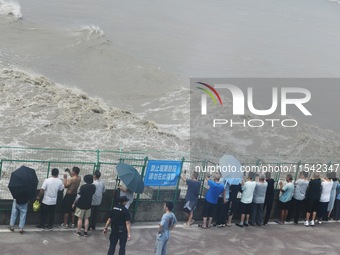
x=271 y=239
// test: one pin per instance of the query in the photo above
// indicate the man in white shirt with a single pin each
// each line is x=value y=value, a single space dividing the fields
x=326 y=188
x=125 y=191
x=96 y=199
x=245 y=207
x=49 y=189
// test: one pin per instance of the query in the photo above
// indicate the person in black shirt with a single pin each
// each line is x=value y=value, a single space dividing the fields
x=312 y=199
x=120 y=226
x=83 y=203
x=269 y=200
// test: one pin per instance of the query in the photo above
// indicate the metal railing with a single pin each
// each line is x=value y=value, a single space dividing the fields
x=44 y=159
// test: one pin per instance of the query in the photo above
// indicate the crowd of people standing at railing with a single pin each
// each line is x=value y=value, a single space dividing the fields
x=81 y=202
x=253 y=199
x=315 y=200
x=84 y=203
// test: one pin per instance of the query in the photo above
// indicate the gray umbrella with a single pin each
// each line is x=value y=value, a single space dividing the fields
x=231 y=169
x=131 y=178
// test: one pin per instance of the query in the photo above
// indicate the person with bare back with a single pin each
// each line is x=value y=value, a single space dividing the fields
x=72 y=185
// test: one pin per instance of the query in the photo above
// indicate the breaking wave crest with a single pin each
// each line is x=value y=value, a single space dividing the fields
x=38 y=112
x=92 y=35
x=10 y=9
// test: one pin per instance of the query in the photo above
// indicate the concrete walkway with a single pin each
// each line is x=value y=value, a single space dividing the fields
x=271 y=239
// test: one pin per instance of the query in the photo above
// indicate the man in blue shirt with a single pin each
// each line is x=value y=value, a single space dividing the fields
x=211 y=198
x=191 y=197
x=167 y=224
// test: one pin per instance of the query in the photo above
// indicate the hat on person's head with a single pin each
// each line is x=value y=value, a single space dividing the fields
x=123 y=199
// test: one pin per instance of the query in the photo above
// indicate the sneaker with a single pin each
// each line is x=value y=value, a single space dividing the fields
x=239 y=225
x=312 y=223
x=306 y=223
x=278 y=222
x=72 y=225
x=221 y=225
x=77 y=233
x=85 y=234
x=246 y=224
x=62 y=225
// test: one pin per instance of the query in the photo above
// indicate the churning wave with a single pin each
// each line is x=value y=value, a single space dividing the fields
x=38 y=112
x=10 y=9
x=92 y=35
x=93 y=31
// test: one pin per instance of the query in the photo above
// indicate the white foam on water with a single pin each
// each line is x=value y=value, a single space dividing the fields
x=38 y=112
x=10 y=9
x=173 y=106
x=92 y=31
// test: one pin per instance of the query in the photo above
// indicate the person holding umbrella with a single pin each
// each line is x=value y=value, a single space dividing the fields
x=132 y=181
x=23 y=186
x=20 y=209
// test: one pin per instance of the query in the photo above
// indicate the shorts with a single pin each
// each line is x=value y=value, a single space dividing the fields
x=312 y=205
x=245 y=208
x=68 y=202
x=209 y=209
x=83 y=213
x=189 y=206
x=284 y=206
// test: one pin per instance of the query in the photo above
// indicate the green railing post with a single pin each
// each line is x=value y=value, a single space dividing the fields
x=297 y=169
x=0 y=168
x=277 y=177
x=179 y=179
x=97 y=165
x=138 y=195
x=48 y=169
x=204 y=165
